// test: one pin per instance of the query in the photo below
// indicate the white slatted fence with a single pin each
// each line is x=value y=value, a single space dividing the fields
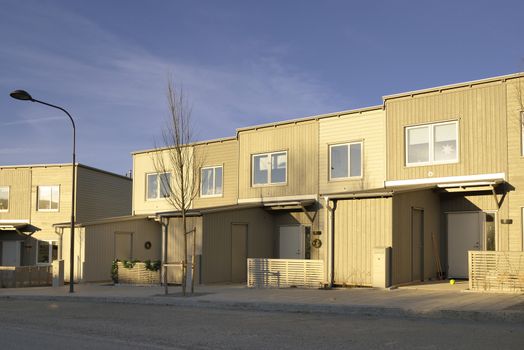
x=496 y=271
x=138 y=274
x=282 y=273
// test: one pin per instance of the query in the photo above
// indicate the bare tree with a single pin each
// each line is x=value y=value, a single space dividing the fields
x=181 y=159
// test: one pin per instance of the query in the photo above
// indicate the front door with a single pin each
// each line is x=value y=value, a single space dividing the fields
x=238 y=253
x=292 y=245
x=11 y=253
x=417 y=244
x=464 y=234
x=123 y=245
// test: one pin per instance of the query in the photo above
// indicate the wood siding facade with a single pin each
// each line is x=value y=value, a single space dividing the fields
x=368 y=127
x=299 y=140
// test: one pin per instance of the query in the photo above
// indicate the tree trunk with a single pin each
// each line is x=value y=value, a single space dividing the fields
x=184 y=264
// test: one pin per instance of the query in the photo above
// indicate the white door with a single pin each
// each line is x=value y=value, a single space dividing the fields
x=11 y=253
x=292 y=244
x=464 y=234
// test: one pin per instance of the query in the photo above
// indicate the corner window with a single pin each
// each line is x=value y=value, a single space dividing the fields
x=48 y=198
x=46 y=252
x=269 y=168
x=345 y=161
x=432 y=144
x=211 y=181
x=158 y=185
x=4 y=198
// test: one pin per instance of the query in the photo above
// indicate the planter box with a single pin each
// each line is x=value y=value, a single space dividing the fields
x=138 y=274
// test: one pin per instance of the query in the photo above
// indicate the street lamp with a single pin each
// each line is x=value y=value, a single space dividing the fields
x=24 y=96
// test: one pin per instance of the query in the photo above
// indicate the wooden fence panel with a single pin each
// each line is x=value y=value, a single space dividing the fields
x=496 y=271
x=281 y=273
x=25 y=276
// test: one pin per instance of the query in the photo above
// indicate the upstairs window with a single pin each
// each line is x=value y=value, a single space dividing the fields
x=432 y=144
x=345 y=161
x=211 y=181
x=4 y=198
x=269 y=168
x=158 y=185
x=48 y=198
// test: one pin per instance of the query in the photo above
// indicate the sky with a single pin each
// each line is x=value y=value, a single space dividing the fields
x=239 y=63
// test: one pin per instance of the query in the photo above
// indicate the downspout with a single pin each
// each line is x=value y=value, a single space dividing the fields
x=332 y=239
x=164 y=225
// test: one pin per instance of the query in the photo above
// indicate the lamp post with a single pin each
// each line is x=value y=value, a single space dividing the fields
x=24 y=96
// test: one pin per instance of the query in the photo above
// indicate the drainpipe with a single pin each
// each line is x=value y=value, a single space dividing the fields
x=164 y=225
x=332 y=239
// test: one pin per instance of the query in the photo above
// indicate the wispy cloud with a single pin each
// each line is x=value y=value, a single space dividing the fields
x=117 y=88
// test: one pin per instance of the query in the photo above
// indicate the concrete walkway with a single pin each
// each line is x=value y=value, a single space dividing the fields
x=428 y=301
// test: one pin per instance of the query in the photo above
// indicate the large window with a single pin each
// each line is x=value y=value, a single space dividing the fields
x=345 y=161
x=269 y=168
x=4 y=198
x=48 y=198
x=46 y=252
x=211 y=181
x=432 y=144
x=158 y=185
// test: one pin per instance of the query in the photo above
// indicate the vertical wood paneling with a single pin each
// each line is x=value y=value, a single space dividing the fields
x=401 y=253
x=481 y=112
x=226 y=154
x=19 y=182
x=360 y=225
x=515 y=103
x=101 y=195
x=300 y=140
x=216 y=249
x=368 y=127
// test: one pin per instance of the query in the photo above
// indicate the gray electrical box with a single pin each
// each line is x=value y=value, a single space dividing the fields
x=381 y=269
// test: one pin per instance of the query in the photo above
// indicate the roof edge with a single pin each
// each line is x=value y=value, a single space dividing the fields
x=455 y=85
x=196 y=143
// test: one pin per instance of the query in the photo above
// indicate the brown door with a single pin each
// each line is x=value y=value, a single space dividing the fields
x=417 y=244
x=123 y=245
x=238 y=253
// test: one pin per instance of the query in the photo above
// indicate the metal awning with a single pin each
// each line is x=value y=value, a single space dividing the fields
x=288 y=205
x=13 y=231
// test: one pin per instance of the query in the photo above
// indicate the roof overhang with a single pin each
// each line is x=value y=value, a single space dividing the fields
x=289 y=205
x=451 y=181
x=14 y=230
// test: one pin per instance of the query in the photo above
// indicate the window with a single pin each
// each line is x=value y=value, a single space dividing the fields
x=158 y=185
x=4 y=199
x=345 y=161
x=46 y=252
x=48 y=198
x=211 y=181
x=269 y=168
x=432 y=144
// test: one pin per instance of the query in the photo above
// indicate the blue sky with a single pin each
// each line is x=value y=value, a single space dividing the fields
x=240 y=63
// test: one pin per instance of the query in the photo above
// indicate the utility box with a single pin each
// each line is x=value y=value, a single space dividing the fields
x=381 y=269
x=58 y=273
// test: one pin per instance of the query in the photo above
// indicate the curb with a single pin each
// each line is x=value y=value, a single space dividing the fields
x=505 y=316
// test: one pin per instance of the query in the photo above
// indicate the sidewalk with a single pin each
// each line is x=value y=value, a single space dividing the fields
x=427 y=301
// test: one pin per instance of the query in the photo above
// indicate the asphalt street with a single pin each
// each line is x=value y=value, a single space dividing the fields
x=83 y=325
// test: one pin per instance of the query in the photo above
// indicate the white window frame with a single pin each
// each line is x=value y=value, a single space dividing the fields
x=38 y=198
x=269 y=175
x=349 y=177
x=158 y=186
x=8 y=199
x=50 y=243
x=431 y=140
x=214 y=167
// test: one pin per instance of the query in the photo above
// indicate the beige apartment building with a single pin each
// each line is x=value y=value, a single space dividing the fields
x=383 y=195
x=35 y=197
